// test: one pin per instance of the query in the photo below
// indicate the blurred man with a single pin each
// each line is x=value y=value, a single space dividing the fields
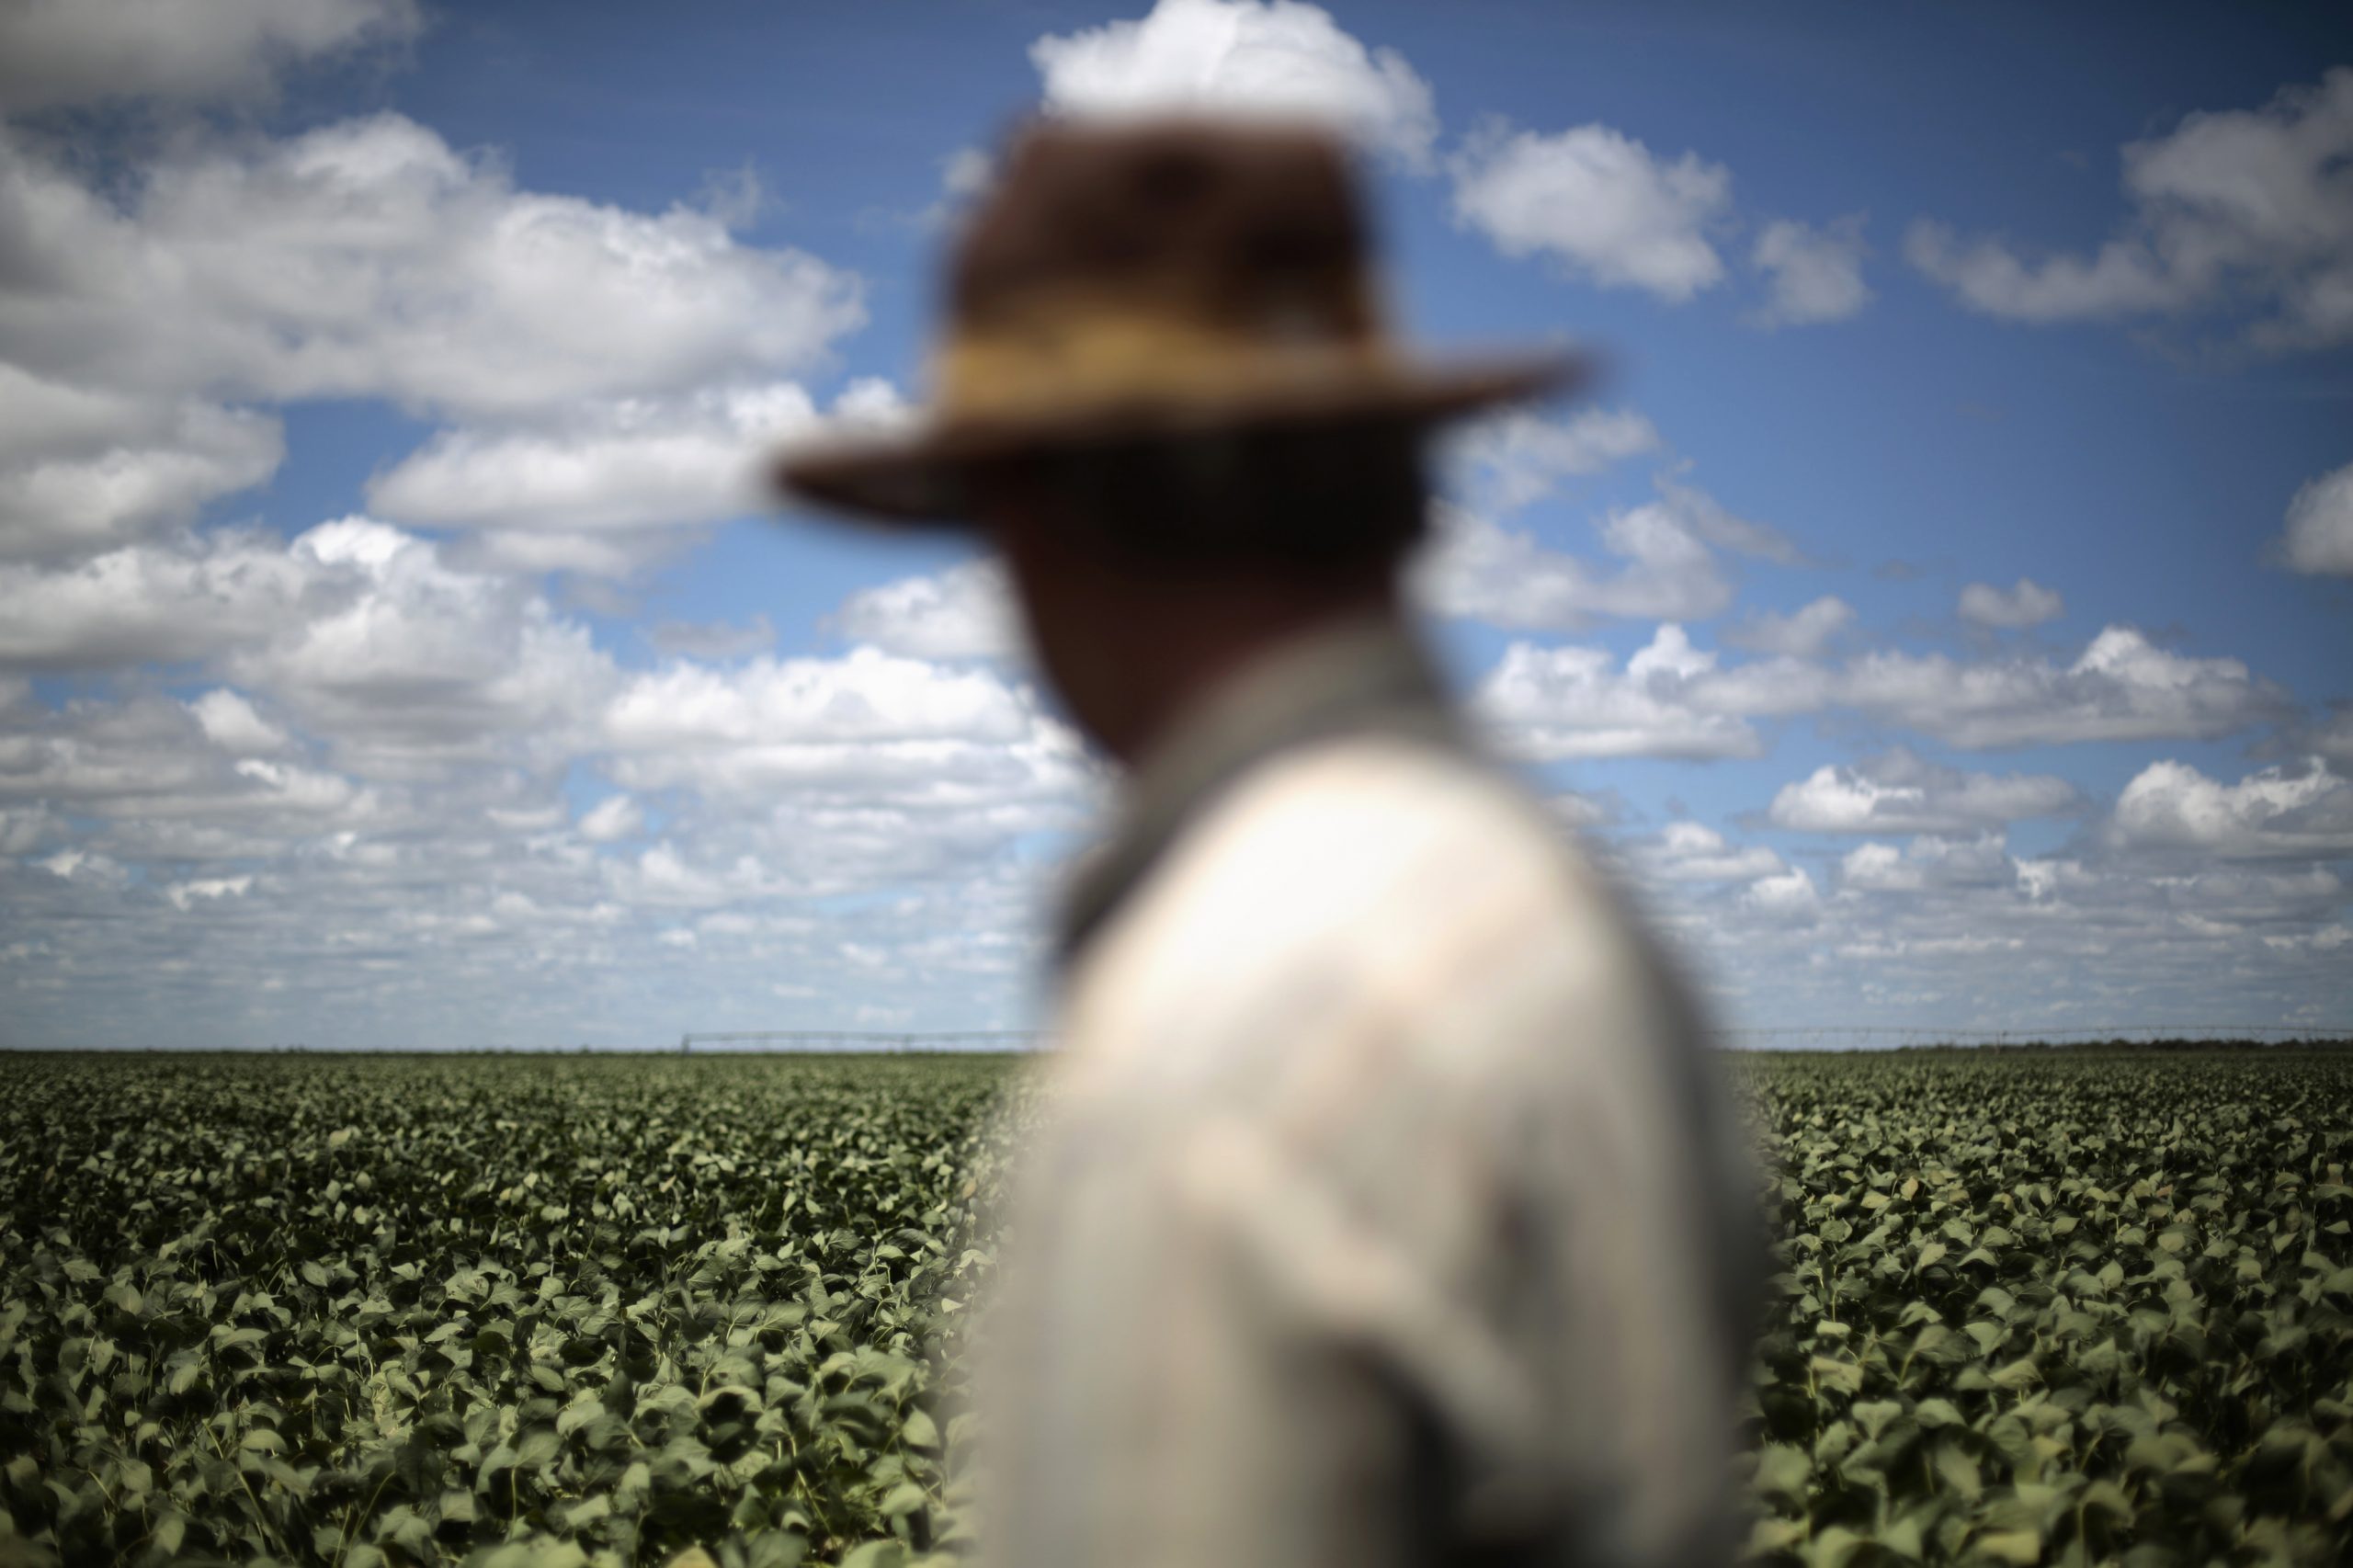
x=1386 y=1213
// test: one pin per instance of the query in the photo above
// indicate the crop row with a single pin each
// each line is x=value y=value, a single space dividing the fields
x=542 y=1311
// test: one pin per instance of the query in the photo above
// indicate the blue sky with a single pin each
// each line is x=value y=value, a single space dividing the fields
x=1940 y=617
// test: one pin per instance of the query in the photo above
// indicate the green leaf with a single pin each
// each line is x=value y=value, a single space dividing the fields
x=2023 y=1547
x=919 y=1431
x=1959 y=1472
x=876 y=1555
x=1783 y=1472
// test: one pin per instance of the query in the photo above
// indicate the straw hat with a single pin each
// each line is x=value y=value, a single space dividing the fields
x=1157 y=279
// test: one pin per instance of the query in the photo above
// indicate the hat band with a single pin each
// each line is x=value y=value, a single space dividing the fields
x=1093 y=359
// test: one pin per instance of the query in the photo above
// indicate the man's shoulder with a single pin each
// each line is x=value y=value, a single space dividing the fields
x=1368 y=809
x=1362 y=862
x=1336 y=829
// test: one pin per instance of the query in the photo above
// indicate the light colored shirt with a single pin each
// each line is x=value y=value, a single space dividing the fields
x=1385 y=1211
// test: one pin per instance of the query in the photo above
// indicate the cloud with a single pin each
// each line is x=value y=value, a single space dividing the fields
x=82 y=470
x=2332 y=737
x=148 y=319
x=966 y=173
x=964 y=612
x=1877 y=868
x=1801 y=634
x=2121 y=687
x=150 y=767
x=367 y=259
x=1817 y=275
x=614 y=817
x=610 y=485
x=78 y=864
x=185 y=895
x=713 y=639
x=1952 y=931
x=1581 y=810
x=1694 y=852
x=1674 y=699
x=965 y=176
x=1478 y=570
x=1708 y=517
x=428 y=876
x=2124 y=279
x=2327 y=939
x=421 y=666
x=1273 y=58
x=2028 y=603
x=24 y=829
x=1598 y=204
x=628 y=464
x=1521 y=457
x=2299 y=812
x=230 y=721
x=869 y=727
x=193 y=597
x=57 y=53
x=1550 y=704
x=2320 y=526
x=1788 y=896
x=2235 y=209
x=1930 y=862
x=1901 y=792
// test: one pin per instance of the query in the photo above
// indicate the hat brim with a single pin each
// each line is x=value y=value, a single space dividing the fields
x=916 y=477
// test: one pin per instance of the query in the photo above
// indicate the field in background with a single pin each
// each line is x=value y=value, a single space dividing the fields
x=553 y=1309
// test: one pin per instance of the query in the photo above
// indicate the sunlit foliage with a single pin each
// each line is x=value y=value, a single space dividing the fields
x=541 y=1311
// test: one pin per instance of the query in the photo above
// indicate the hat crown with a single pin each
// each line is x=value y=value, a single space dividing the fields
x=1249 y=229
x=1142 y=280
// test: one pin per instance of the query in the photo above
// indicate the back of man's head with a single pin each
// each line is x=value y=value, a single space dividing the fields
x=1285 y=500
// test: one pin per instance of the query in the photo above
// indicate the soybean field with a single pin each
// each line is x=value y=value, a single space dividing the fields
x=2062 y=1308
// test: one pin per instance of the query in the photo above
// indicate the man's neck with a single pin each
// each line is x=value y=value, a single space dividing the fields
x=1185 y=657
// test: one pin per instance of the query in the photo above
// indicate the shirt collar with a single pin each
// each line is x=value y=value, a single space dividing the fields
x=1359 y=674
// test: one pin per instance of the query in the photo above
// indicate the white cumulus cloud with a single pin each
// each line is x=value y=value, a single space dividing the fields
x=1788 y=895
x=1815 y=275
x=1801 y=634
x=230 y=722
x=1550 y=704
x=1598 y=204
x=2320 y=524
x=1902 y=793
x=186 y=895
x=82 y=470
x=1521 y=457
x=74 y=52
x=1477 y=569
x=611 y=484
x=614 y=817
x=190 y=598
x=2251 y=206
x=421 y=666
x=2300 y=812
x=867 y=728
x=1273 y=57
x=2122 y=687
x=1694 y=852
x=964 y=612
x=368 y=257
x=2026 y=603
